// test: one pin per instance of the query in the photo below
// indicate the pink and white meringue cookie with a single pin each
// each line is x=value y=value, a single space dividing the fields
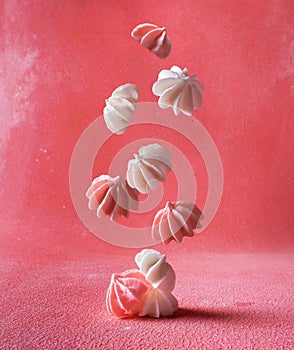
x=156 y=270
x=153 y=38
x=175 y=221
x=178 y=90
x=120 y=107
x=146 y=292
x=111 y=197
x=157 y=302
x=148 y=168
x=125 y=293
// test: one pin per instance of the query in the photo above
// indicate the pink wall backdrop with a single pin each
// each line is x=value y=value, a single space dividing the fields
x=59 y=60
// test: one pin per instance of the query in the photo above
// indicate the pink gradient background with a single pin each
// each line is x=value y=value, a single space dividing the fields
x=59 y=60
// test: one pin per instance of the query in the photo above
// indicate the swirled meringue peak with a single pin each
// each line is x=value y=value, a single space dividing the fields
x=156 y=270
x=120 y=107
x=175 y=221
x=178 y=90
x=148 y=168
x=111 y=197
x=157 y=302
x=125 y=293
x=153 y=38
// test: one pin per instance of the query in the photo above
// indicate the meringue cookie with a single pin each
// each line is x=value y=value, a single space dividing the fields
x=148 y=168
x=125 y=293
x=179 y=91
x=153 y=38
x=146 y=292
x=156 y=270
x=111 y=197
x=156 y=303
x=175 y=221
x=120 y=107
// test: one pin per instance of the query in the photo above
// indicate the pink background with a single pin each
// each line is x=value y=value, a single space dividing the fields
x=59 y=60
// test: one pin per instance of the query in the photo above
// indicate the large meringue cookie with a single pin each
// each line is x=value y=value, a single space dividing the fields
x=111 y=197
x=175 y=221
x=149 y=167
x=125 y=293
x=120 y=107
x=179 y=91
x=158 y=303
x=156 y=270
x=153 y=38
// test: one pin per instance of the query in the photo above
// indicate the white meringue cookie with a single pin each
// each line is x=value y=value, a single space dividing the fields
x=148 y=168
x=156 y=303
x=156 y=270
x=120 y=107
x=179 y=91
x=175 y=221
x=153 y=38
x=111 y=197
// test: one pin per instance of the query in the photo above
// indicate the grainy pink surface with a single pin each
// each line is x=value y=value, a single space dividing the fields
x=226 y=302
x=59 y=60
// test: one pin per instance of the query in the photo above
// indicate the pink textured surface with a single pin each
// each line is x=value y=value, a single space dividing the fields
x=226 y=302
x=59 y=60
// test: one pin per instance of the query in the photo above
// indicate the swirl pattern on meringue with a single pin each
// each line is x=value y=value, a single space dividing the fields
x=153 y=38
x=111 y=197
x=179 y=91
x=125 y=293
x=157 y=302
x=120 y=107
x=148 y=168
x=156 y=270
x=175 y=221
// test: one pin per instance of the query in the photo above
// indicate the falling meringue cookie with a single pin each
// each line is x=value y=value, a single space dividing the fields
x=179 y=91
x=125 y=293
x=153 y=38
x=156 y=270
x=111 y=197
x=120 y=107
x=148 y=168
x=175 y=221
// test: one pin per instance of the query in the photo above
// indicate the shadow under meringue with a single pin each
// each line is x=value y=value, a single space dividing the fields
x=191 y=313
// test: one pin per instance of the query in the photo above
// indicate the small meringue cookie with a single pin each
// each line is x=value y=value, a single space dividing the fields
x=120 y=107
x=175 y=221
x=144 y=292
x=153 y=38
x=148 y=168
x=179 y=91
x=158 y=303
x=156 y=270
x=111 y=197
x=125 y=293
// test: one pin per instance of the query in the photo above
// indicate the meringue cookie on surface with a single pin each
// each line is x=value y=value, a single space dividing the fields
x=153 y=38
x=148 y=168
x=179 y=91
x=157 y=302
x=156 y=270
x=111 y=197
x=175 y=221
x=144 y=292
x=125 y=293
x=120 y=107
